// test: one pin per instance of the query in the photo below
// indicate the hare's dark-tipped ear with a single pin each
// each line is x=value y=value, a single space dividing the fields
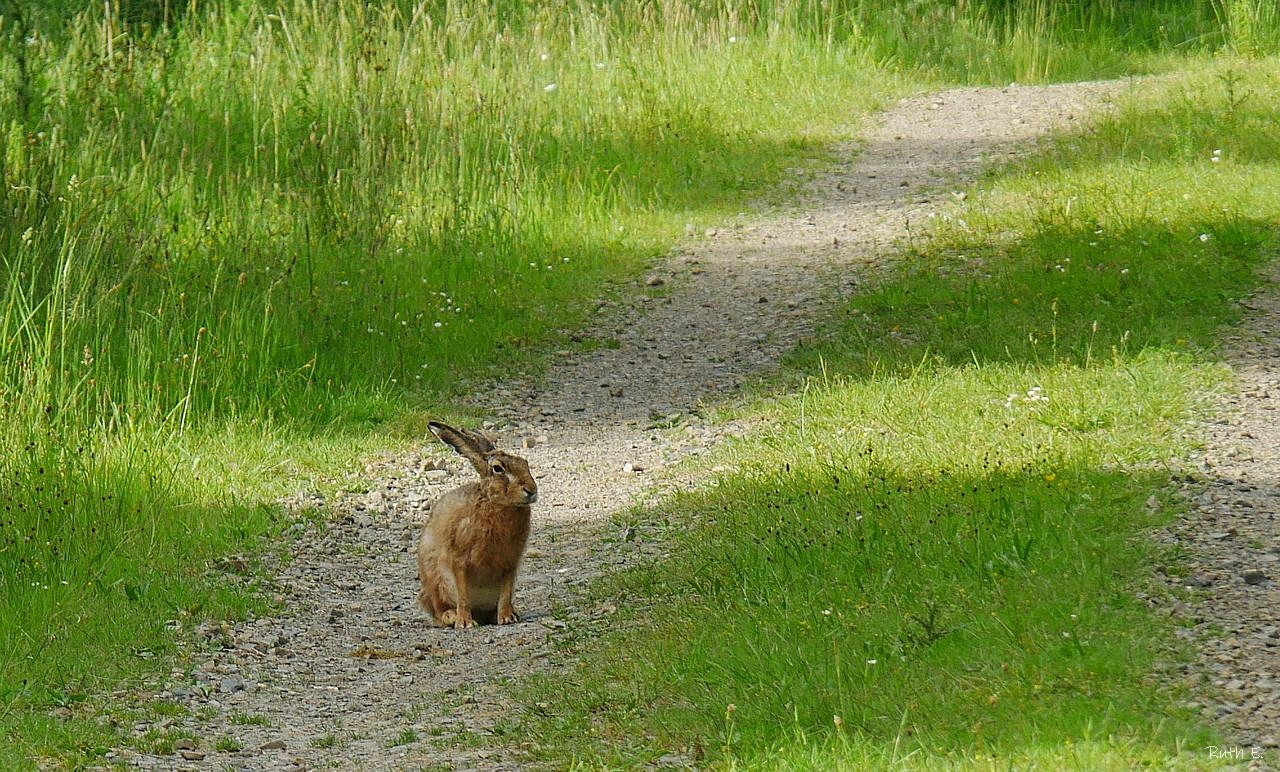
x=469 y=445
x=479 y=440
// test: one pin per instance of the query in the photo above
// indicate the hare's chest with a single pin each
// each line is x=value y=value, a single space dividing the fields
x=493 y=545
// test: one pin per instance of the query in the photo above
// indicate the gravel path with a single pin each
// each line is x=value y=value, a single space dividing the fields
x=1233 y=537
x=353 y=676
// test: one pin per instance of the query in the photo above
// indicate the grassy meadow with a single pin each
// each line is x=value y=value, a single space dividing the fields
x=244 y=244
x=934 y=552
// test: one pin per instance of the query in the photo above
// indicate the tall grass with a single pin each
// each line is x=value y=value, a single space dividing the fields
x=933 y=553
x=267 y=208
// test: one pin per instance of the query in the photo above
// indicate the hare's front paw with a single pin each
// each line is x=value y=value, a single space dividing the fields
x=464 y=620
x=508 y=616
x=447 y=619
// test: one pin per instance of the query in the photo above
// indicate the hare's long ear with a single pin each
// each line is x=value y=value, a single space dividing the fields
x=479 y=440
x=470 y=445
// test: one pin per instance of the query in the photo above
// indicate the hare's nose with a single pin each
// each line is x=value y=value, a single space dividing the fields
x=531 y=496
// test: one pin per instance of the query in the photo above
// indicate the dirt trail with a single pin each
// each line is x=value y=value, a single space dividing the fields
x=1233 y=538
x=353 y=677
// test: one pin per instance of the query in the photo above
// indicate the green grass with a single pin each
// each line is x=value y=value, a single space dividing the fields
x=244 y=245
x=250 y=719
x=934 y=549
x=328 y=741
x=228 y=745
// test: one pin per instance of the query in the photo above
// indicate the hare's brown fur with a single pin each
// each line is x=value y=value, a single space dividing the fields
x=475 y=536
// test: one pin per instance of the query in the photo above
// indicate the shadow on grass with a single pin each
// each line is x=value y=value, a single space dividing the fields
x=103 y=566
x=1065 y=296
x=965 y=609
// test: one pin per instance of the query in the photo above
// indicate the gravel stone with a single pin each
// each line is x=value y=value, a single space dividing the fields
x=1254 y=577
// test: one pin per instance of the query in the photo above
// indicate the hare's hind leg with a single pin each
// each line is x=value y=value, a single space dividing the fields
x=437 y=601
x=434 y=594
x=442 y=608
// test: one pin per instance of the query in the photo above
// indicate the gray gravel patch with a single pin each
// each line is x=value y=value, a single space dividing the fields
x=1232 y=534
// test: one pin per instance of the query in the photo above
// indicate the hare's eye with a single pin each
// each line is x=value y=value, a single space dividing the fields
x=497 y=469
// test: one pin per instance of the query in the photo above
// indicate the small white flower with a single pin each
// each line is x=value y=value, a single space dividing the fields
x=872 y=661
x=438 y=325
x=545 y=57
x=1204 y=237
x=1124 y=271
x=826 y=612
x=733 y=38
x=549 y=87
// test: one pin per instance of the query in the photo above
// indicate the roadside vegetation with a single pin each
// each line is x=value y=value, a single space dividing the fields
x=935 y=552
x=243 y=244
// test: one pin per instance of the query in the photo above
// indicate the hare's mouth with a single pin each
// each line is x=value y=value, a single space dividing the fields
x=531 y=498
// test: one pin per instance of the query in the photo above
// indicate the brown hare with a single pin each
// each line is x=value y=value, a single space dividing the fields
x=475 y=536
